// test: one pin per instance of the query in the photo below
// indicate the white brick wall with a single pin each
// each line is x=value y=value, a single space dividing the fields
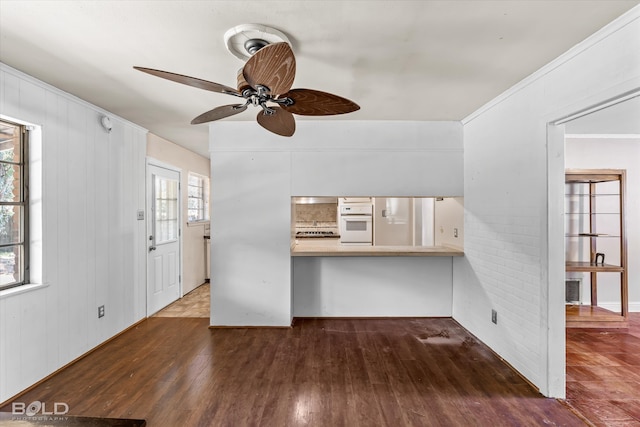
x=504 y=253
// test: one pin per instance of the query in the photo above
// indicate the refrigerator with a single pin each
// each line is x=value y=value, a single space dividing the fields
x=403 y=221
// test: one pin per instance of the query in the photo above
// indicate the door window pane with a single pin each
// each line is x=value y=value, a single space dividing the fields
x=166 y=210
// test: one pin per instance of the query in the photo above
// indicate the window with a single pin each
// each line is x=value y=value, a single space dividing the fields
x=198 y=198
x=14 y=205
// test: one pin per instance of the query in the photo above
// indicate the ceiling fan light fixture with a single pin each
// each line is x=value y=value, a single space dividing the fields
x=243 y=40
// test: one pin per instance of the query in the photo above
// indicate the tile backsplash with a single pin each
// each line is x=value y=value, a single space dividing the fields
x=319 y=212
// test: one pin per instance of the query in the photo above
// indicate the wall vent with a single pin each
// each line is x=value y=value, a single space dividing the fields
x=572 y=291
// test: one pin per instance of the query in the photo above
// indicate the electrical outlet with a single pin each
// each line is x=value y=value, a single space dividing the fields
x=101 y=311
x=455 y=232
x=140 y=215
x=494 y=316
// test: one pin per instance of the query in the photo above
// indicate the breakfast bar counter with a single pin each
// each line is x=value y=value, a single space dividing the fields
x=333 y=248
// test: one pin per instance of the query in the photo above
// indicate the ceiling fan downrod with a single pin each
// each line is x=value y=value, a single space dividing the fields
x=254 y=45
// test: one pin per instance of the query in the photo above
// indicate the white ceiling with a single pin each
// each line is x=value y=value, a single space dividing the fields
x=399 y=60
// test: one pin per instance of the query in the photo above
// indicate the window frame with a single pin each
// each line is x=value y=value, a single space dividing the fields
x=205 y=180
x=23 y=204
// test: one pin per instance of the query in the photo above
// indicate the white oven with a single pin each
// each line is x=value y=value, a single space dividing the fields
x=356 y=223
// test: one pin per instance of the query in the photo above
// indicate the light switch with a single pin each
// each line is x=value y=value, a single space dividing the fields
x=140 y=215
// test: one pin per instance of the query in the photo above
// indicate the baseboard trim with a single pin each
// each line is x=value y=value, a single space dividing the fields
x=634 y=307
x=502 y=359
x=248 y=327
x=293 y=321
x=370 y=317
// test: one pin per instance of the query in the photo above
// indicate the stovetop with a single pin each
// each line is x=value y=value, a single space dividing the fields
x=325 y=234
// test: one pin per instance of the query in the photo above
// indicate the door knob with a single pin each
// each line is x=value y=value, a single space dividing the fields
x=152 y=248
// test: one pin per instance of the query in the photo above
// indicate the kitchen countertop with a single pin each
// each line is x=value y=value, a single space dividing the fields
x=332 y=247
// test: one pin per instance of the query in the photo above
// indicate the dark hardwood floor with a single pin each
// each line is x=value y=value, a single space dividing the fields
x=603 y=374
x=388 y=372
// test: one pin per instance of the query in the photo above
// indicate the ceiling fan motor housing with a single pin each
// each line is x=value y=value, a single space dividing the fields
x=254 y=45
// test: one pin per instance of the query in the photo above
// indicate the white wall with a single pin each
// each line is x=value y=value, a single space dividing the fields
x=621 y=119
x=511 y=263
x=193 y=268
x=449 y=217
x=615 y=153
x=372 y=286
x=93 y=248
x=254 y=174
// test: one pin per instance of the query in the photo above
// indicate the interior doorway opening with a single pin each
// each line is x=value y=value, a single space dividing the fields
x=606 y=124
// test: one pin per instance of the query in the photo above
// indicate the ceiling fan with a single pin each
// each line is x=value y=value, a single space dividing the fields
x=265 y=81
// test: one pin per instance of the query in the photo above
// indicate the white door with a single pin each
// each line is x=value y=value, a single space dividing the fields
x=163 y=230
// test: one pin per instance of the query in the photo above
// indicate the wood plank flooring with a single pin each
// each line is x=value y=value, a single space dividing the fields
x=586 y=316
x=603 y=374
x=321 y=372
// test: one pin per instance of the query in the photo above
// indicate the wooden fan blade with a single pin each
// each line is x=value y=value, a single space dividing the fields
x=309 y=102
x=273 y=66
x=242 y=83
x=219 y=113
x=190 y=81
x=281 y=123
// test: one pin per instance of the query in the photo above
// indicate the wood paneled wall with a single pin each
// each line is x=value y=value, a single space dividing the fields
x=92 y=247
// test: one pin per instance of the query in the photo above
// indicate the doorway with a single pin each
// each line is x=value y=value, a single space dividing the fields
x=614 y=118
x=164 y=241
x=608 y=139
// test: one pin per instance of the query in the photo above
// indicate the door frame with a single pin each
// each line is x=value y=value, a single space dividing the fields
x=150 y=161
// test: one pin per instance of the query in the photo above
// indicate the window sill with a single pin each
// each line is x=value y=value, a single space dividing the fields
x=8 y=293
